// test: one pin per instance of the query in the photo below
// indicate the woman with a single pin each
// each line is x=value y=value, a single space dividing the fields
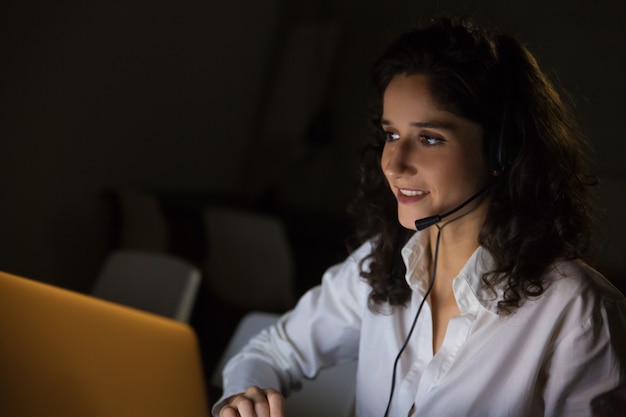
x=487 y=309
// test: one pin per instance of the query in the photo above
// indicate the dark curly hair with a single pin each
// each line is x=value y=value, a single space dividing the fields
x=540 y=208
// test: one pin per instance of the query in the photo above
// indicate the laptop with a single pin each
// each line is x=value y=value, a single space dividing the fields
x=67 y=354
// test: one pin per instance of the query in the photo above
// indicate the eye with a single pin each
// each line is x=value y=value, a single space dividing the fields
x=391 y=136
x=430 y=140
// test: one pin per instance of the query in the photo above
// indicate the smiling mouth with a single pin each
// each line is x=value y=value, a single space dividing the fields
x=411 y=193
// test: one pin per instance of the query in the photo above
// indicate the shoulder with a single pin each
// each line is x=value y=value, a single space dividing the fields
x=579 y=297
x=582 y=318
x=342 y=294
x=352 y=264
x=572 y=279
x=345 y=277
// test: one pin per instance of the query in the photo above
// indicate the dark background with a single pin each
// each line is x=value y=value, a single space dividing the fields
x=203 y=97
x=211 y=101
x=257 y=104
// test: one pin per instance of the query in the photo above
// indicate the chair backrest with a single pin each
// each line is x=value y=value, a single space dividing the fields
x=332 y=393
x=249 y=260
x=154 y=282
x=65 y=354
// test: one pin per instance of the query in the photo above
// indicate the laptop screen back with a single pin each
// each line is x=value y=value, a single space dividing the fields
x=67 y=354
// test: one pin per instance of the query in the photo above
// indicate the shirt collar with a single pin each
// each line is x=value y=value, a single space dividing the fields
x=469 y=289
x=415 y=254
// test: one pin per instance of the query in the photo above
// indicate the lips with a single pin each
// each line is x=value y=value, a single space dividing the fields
x=408 y=196
x=411 y=193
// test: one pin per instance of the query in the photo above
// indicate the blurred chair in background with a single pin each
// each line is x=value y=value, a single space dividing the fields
x=249 y=260
x=153 y=282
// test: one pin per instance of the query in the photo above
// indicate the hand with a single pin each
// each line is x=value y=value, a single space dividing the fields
x=255 y=402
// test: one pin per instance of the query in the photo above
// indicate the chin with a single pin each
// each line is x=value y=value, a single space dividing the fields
x=408 y=224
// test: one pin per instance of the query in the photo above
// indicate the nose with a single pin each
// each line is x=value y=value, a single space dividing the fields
x=397 y=159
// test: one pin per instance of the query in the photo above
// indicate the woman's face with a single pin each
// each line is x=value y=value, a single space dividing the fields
x=432 y=159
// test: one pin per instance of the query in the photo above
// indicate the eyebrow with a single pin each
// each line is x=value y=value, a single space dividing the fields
x=424 y=125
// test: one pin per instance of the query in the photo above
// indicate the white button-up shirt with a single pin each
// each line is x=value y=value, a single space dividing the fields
x=550 y=358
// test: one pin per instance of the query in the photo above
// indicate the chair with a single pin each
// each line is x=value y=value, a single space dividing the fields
x=249 y=261
x=332 y=393
x=153 y=282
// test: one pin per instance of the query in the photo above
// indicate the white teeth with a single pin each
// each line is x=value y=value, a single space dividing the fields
x=411 y=193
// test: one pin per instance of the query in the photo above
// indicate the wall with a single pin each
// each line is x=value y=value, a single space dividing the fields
x=97 y=95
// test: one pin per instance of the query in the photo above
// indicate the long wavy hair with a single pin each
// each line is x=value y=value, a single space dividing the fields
x=540 y=208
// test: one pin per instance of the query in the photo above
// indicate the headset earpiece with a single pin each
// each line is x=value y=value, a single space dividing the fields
x=502 y=149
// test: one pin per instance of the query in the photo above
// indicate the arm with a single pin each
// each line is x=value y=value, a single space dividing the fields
x=588 y=363
x=322 y=331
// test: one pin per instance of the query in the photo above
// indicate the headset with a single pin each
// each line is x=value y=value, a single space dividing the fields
x=502 y=149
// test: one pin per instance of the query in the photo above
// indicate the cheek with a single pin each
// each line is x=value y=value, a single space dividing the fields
x=478 y=164
x=474 y=172
x=384 y=161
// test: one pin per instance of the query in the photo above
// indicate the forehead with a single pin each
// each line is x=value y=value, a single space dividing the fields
x=409 y=97
x=408 y=87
